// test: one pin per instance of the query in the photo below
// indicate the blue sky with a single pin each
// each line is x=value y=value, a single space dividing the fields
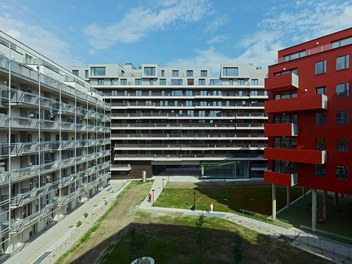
x=169 y=32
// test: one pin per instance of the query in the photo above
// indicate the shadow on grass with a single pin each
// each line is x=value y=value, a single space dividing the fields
x=180 y=244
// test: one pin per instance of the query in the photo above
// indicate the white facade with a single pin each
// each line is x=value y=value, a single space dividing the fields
x=184 y=116
x=54 y=142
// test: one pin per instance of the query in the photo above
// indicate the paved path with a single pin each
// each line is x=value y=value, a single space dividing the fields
x=57 y=239
x=332 y=250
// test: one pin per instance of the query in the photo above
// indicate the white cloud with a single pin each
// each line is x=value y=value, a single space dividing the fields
x=143 y=20
x=214 y=23
x=39 y=39
x=218 y=39
x=283 y=27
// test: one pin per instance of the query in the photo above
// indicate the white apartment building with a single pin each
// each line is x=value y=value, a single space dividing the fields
x=54 y=142
x=184 y=117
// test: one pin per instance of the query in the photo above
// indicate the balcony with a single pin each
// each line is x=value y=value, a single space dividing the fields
x=296 y=155
x=280 y=83
x=280 y=130
x=285 y=179
x=316 y=102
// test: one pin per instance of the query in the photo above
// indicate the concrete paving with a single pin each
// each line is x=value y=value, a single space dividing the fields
x=325 y=248
x=54 y=241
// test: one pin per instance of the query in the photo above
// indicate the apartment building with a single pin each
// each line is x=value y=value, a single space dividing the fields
x=54 y=142
x=310 y=128
x=165 y=117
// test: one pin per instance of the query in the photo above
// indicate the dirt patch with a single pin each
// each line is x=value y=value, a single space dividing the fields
x=121 y=215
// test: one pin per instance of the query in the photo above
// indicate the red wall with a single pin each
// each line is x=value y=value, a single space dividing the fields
x=308 y=131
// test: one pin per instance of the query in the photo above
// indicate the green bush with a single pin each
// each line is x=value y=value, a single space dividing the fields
x=78 y=223
x=85 y=215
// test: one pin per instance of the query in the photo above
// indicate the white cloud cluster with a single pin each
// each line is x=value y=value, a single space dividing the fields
x=143 y=20
x=41 y=40
x=282 y=27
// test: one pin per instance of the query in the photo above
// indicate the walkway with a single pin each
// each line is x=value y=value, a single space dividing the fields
x=332 y=250
x=56 y=240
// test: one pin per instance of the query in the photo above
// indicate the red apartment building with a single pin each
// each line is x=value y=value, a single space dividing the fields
x=310 y=118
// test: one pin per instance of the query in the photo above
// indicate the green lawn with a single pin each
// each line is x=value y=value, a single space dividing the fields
x=170 y=239
x=225 y=199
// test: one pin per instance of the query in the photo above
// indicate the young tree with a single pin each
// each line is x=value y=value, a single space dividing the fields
x=237 y=247
x=202 y=237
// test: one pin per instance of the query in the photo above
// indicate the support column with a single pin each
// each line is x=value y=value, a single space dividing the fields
x=303 y=192
x=336 y=199
x=288 y=197
x=273 y=199
x=314 y=209
x=325 y=205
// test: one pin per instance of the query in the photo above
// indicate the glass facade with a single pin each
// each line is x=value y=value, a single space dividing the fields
x=224 y=170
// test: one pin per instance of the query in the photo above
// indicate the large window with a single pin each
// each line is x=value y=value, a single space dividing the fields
x=230 y=71
x=342 y=117
x=203 y=73
x=320 y=118
x=97 y=71
x=342 y=145
x=162 y=81
x=342 y=62
x=320 y=143
x=189 y=73
x=285 y=95
x=342 y=42
x=341 y=172
x=286 y=143
x=149 y=71
x=201 y=82
x=320 y=90
x=320 y=170
x=176 y=81
x=294 y=56
x=175 y=73
x=342 y=89
x=75 y=72
x=320 y=67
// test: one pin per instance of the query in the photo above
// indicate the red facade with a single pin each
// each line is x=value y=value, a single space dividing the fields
x=310 y=115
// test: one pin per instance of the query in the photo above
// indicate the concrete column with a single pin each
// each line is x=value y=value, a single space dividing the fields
x=314 y=209
x=273 y=199
x=288 y=198
x=325 y=205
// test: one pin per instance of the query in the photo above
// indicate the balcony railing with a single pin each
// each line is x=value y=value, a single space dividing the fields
x=285 y=179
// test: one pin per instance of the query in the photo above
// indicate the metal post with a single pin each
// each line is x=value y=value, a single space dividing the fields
x=314 y=209
x=163 y=183
x=273 y=200
x=153 y=195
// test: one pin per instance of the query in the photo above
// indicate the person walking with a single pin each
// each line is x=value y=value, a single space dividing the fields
x=211 y=207
x=149 y=197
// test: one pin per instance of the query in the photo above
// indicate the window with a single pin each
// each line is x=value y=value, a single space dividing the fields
x=75 y=72
x=149 y=71
x=176 y=93
x=285 y=95
x=295 y=55
x=175 y=73
x=151 y=82
x=342 y=42
x=97 y=71
x=342 y=62
x=189 y=73
x=215 y=82
x=138 y=82
x=287 y=143
x=320 y=67
x=86 y=74
x=162 y=81
x=189 y=93
x=230 y=71
x=138 y=93
x=320 y=170
x=320 y=143
x=254 y=82
x=203 y=93
x=162 y=73
x=203 y=73
x=320 y=118
x=189 y=103
x=342 y=89
x=342 y=117
x=201 y=82
x=123 y=81
x=341 y=172
x=176 y=81
x=342 y=145
x=240 y=82
x=100 y=81
x=320 y=90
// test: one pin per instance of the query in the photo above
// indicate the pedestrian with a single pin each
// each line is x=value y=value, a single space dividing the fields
x=211 y=207
x=149 y=197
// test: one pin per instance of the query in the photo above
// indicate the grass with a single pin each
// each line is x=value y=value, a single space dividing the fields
x=170 y=239
x=338 y=221
x=96 y=225
x=226 y=199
